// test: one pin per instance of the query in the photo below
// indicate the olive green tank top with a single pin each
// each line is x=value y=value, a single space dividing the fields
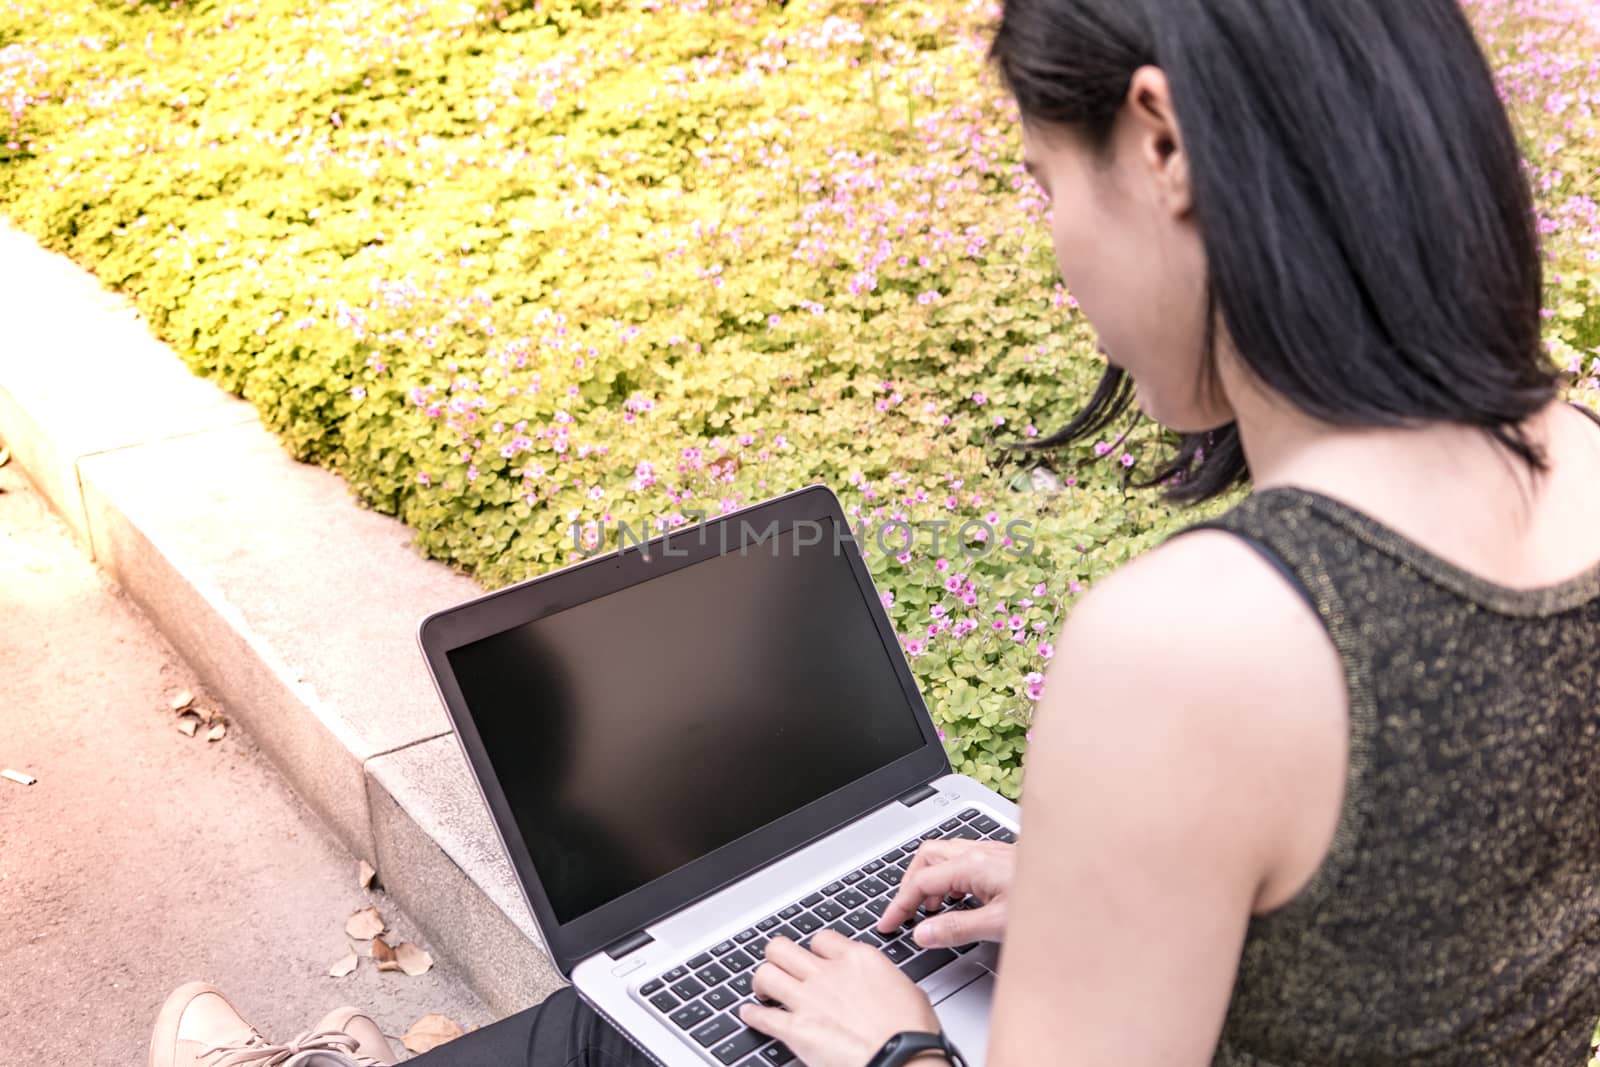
x=1456 y=918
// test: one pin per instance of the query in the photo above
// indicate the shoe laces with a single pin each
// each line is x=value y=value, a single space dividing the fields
x=257 y=1051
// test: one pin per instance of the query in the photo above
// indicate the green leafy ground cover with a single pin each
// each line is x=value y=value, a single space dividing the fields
x=513 y=266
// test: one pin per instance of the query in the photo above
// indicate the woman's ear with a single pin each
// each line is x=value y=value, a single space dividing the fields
x=1159 y=140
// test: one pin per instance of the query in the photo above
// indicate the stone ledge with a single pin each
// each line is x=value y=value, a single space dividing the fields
x=295 y=605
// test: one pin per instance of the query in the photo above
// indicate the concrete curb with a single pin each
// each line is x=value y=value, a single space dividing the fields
x=294 y=604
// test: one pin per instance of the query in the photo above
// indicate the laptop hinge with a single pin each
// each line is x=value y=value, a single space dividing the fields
x=917 y=795
x=632 y=943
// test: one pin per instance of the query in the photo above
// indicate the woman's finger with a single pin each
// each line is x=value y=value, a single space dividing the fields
x=960 y=926
x=791 y=958
x=830 y=944
x=918 y=887
x=774 y=1022
x=774 y=983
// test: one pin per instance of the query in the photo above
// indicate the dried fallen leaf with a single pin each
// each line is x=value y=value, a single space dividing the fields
x=365 y=924
x=187 y=726
x=344 y=966
x=365 y=874
x=217 y=732
x=383 y=955
x=182 y=701
x=413 y=960
x=429 y=1032
x=207 y=715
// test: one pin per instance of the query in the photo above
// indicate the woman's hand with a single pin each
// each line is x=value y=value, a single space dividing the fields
x=841 y=1000
x=955 y=868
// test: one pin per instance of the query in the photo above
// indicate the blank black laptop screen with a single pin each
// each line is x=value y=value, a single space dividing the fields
x=635 y=733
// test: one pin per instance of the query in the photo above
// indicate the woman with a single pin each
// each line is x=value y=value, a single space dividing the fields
x=1316 y=783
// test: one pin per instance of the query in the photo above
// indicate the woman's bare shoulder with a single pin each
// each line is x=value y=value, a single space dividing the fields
x=1200 y=659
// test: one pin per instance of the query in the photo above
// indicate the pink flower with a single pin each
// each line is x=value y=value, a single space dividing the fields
x=1038 y=590
x=980 y=399
x=888 y=599
x=1046 y=650
x=1127 y=459
x=915 y=647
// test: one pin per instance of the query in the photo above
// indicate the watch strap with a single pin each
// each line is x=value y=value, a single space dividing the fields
x=908 y=1044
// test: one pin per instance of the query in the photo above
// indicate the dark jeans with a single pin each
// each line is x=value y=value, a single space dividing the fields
x=562 y=1031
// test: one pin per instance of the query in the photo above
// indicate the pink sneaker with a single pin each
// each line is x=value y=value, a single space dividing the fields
x=198 y=1027
x=371 y=1048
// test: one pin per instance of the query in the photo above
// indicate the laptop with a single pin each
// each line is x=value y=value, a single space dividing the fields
x=691 y=744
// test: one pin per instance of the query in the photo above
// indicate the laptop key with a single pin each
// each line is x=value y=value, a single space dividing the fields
x=652 y=987
x=787 y=931
x=830 y=910
x=742 y=984
x=777 y=1055
x=919 y=967
x=832 y=887
x=675 y=974
x=969 y=815
x=861 y=919
x=872 y=888
x=768 y=923
x=688 y=989
x=715 y=1030
x=891 y=874
x=710 y=976
x=850 y=899
x=874 y=867
x=950 y=824
x=1003 y=835
x=930 y=835
x=722 y=948
x=869 y=936
x=890 y=856
x=898 y=951
x=744 y=935
x=722 y=999
x=690 y=1015
x=842 y=927
x=985 y=824
x=852 y=878
x=790 y=912
x=878 y=906
x=813 y=900
x=910 y=847
x=737 y=1048
x=664 y=1001
x=807 y=923
x=738 y=962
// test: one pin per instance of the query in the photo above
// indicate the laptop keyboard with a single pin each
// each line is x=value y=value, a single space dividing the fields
x=701 y=997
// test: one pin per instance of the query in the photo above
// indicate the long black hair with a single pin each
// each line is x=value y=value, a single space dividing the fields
x=1370 y=233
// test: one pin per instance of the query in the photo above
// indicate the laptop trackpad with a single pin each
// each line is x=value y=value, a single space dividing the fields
x=965 y=1018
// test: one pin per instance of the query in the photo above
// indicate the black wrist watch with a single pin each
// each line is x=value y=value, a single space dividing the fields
x=905 y=1046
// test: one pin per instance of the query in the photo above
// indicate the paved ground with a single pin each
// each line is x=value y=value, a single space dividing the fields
x=142 y=859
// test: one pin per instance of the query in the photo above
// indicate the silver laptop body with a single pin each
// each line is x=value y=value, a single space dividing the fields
x=693 y=744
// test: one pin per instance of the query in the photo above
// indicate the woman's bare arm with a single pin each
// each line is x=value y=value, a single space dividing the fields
x=1186 y=770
